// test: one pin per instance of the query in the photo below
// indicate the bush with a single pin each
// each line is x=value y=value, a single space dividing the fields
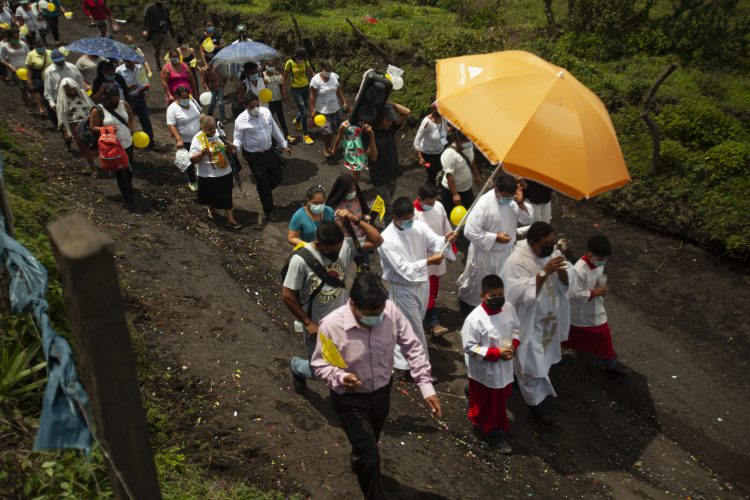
x=698 y=124
x=728 y=160
x=674 y=156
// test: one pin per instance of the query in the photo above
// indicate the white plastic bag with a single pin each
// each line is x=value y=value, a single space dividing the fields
x=182 y=159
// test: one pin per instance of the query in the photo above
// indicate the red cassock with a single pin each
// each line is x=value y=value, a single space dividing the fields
x=487 y=406
x=596 y=340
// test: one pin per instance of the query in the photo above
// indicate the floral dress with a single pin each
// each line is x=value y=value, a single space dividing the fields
x=355 y=158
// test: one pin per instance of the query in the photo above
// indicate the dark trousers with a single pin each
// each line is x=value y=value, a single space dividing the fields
x=53 y=26
x=141 y=110
x=435 y=166
x=362 y=416
x=277 y=109
x=190 y=171
x=267 y=174
x=125 y=179
x=446 y=197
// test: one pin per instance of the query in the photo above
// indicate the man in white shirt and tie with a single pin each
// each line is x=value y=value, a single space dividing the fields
x=256 y=134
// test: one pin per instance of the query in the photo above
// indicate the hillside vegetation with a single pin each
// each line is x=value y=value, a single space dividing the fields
x=616 y=47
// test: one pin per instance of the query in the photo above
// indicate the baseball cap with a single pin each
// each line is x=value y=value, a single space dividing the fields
x=57 y=56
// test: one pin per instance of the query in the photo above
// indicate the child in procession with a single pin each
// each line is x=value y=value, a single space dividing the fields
x=490 y=336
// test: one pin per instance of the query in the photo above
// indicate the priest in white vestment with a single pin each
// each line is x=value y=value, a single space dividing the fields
x=491 y=229
x=536 y=278
x=409 y=248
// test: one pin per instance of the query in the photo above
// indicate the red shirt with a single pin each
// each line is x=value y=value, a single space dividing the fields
x=96 y=9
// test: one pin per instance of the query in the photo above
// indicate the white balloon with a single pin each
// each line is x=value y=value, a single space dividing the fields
x=205 y=98
x=42 y=4
x=398 y=83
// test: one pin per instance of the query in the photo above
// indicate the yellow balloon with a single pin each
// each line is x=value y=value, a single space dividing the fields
x=266 y=95
x=457 y=215
x=88 y=92
x=320 y=120
x=68 y=15
x=23 y=30
x=388 y=77
x=141 y=140
x=51 y=7
x=22 y=74
x=208 y=45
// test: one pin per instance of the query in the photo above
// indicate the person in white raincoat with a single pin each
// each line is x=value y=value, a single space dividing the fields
x=404 y=256
x=536 y=283
x=491 y=229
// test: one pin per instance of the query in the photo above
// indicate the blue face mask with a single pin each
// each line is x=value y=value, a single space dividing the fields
x=407 y=224
x=254 y=77
x=110 y=78
x=505 y=201
x=600 y=263
x=371 y=321
x=210 y=30
x=317 y=209
x=40 y=50
x=467 y=145
x=427 y=208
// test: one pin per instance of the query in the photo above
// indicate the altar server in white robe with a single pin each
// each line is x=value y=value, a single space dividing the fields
x=409 y=248
x=491 y=229
x=536 y=278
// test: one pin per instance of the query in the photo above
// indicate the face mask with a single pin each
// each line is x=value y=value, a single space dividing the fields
x=254 y=112
x=185 y=102
x=326 y=74
x=427 y=208
x=371 y=321
x=407 y=224
x=174 y=60
x=110 y=78
x=15 y=43
x=467 y=145
x=332 y=256
x=547 y=250
x=210 y=30
x=254 y=77
x=351 y=196
x=505 y=201
x=600 y=263
x=495 y=303
x=271 y=69
x=40 y=50
x=316 y=209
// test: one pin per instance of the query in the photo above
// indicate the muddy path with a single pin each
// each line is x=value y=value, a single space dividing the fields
x=206 y=301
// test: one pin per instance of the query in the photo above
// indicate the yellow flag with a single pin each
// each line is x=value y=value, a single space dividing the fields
x=331 y=353
x=378 y=207
x=299 y=245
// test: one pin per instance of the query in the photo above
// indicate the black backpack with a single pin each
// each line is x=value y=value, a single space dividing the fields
x=88 y=137
x=318 y=269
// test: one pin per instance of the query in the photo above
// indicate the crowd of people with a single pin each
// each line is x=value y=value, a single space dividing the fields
x=521 y=295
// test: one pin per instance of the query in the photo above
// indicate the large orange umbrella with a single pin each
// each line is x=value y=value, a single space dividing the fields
x=535 y=117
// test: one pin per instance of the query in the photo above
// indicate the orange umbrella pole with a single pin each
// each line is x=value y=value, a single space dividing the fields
x=486 y=186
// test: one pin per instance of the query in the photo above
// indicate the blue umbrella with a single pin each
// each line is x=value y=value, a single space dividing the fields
x=105 y=47
x=241 y=52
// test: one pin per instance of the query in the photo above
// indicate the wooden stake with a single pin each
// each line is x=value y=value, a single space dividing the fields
x=97 y=317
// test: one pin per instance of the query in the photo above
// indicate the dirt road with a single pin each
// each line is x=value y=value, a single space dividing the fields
x=206 y=300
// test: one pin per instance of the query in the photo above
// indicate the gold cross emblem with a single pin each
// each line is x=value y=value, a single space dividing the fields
x=549 y=326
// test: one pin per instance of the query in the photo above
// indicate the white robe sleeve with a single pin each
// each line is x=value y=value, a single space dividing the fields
x=435 y=243
x=474 y=231
x=523 y=217
x=577 y=290
x=520 y=283
x=409 y=271
x=471 y=338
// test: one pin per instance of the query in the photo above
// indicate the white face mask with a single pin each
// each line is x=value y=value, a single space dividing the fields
x=326 y=74
x=271 y=69
x=184 y=103
x=254 y=112
x=351 y=196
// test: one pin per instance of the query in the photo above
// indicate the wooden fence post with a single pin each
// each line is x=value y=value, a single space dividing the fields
x=95 y=311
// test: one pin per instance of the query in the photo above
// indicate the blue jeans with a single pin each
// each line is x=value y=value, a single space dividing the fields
x=301 y=366
x=140 y=108
x=301 y=97
x=217 y=95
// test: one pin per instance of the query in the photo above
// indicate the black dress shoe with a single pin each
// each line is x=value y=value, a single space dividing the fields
x=499 y=443
x=617 y=371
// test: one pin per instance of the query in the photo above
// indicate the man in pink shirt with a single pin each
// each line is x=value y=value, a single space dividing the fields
x=365 y=332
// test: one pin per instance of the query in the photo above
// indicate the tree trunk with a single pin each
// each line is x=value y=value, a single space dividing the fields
x=548 y=12
x=653 y=128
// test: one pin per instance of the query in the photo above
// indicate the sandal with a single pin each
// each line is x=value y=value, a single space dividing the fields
x=94 y=175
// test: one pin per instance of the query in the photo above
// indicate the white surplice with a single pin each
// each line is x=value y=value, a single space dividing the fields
x=403 y=256
x=486 y=255
x=480 y=333
x=544 y=317
x=437 y=220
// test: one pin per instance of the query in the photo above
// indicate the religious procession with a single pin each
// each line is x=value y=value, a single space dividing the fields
x=378 y=275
